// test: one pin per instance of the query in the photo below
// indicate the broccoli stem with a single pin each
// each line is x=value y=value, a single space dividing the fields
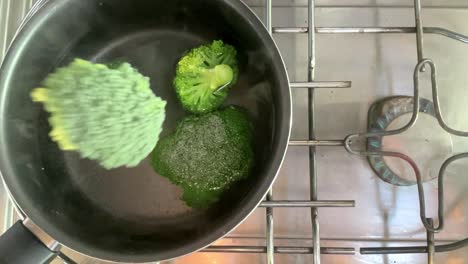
x=219 y=75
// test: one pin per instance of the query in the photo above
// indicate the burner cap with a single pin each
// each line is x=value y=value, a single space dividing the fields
x=426 y=142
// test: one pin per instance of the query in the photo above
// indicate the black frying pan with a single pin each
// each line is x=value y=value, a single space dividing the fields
x=130 y=215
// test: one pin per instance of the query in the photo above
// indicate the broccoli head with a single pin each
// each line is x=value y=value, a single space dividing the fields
x=206 y=154
x=107 y=115
x=204 y=76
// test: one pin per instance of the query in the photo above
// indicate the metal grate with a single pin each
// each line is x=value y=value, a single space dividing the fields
x=422 y=64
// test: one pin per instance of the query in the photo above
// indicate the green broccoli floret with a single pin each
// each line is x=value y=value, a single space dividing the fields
x=107 y=115
x=206 y=154
x=204 y=76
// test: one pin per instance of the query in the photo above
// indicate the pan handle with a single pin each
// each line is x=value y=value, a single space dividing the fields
x=20 y=246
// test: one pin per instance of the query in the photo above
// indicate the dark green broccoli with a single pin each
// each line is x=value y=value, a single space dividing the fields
x=204 y=76
x=206 y=154
x=107 y=115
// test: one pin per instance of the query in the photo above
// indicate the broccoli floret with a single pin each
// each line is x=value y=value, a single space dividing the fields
x=204 y=76
x=206 y=154
x=107 y=115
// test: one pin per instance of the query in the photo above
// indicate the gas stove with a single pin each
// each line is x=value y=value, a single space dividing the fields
x=344 y=185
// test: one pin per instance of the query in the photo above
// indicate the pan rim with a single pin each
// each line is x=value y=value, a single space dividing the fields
x=283 y=129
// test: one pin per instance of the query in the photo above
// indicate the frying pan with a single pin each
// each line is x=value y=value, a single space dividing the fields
x=129 y=214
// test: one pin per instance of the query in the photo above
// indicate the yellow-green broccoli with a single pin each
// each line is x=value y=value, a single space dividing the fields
x=204 y=76
x=107 y=115
x=206 y=154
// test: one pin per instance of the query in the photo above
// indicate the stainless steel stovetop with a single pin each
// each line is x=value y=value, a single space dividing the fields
x=379 y=65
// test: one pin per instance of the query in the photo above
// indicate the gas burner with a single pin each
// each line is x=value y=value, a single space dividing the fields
x=427 y=148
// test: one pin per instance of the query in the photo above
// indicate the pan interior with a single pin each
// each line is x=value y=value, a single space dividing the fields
x=129 y=213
